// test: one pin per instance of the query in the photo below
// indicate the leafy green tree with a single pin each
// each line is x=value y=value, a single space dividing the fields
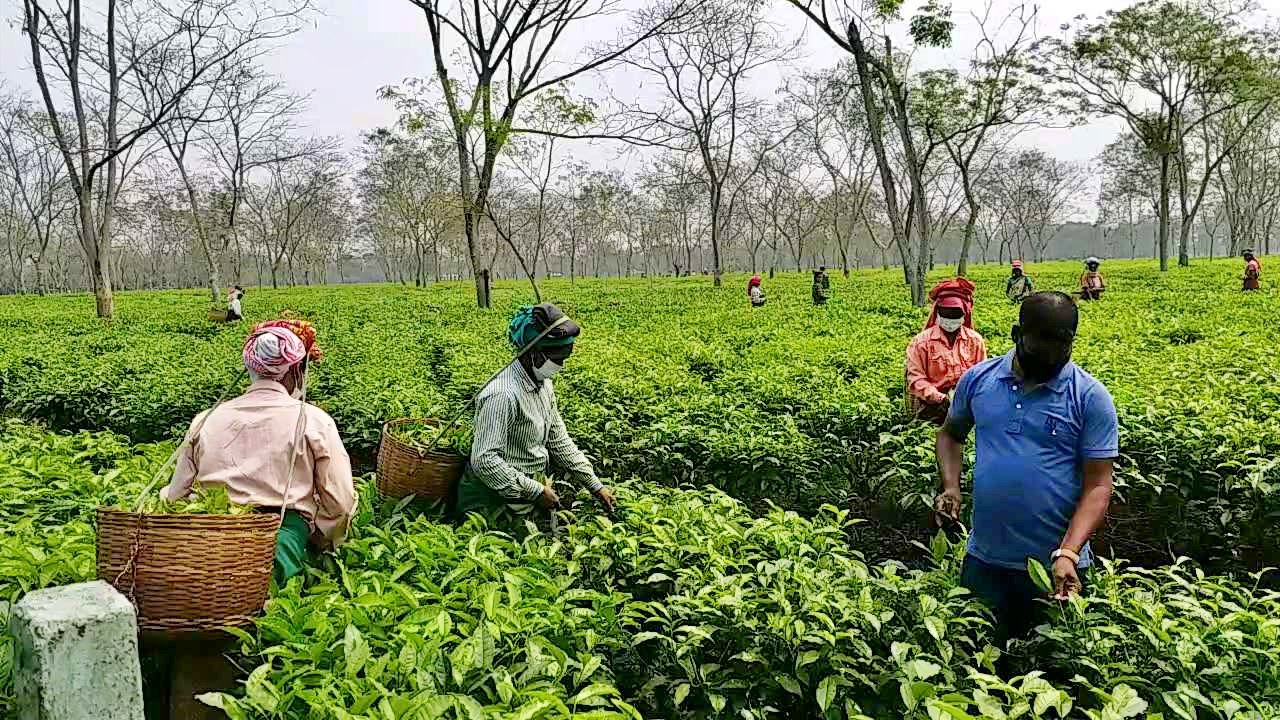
x=1165 y=67
x=965 y=114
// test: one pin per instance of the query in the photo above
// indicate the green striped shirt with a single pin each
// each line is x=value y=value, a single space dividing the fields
x=519 y=433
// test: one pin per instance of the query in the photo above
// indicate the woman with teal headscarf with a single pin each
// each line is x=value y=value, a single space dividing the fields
x=519 y=433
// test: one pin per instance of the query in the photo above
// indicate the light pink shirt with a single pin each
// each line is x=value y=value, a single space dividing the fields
x=245 y=445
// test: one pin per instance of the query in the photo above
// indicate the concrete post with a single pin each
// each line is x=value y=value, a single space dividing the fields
x=76 y=655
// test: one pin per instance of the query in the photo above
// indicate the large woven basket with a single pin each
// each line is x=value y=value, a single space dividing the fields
x=218 y=316
x=189 y=572
x=404 y=470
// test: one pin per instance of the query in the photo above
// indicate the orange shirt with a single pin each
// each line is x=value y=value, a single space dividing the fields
x=246 y=445
x=934 y=366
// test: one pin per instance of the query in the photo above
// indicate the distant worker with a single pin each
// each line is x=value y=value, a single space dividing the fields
x=272 y=451
x=821 y=286
x=1091 y=283
x=1047 y=439
x=943 y=351
x=1252 y=271
x=519 y=432
x=1019 y=284
x=234 y=310
x=755 y=292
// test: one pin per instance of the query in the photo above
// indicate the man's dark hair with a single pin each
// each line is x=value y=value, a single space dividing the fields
x=1050 y=310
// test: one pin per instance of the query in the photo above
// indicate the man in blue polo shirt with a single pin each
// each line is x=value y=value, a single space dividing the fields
x=1047 y=440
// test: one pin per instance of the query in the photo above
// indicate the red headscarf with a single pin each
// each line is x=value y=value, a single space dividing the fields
x=753 y=282
x=952 y=293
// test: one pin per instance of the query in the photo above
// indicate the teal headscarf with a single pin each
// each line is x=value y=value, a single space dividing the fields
x=524 y=328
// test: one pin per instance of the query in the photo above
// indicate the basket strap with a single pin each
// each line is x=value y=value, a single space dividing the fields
x=523 y=351
x=298 y=436
x=186 y=440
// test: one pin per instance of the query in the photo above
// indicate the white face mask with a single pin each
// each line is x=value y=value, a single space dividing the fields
x=547 y=369
x=950 y=324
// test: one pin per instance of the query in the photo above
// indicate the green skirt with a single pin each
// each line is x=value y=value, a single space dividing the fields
x=291 y=547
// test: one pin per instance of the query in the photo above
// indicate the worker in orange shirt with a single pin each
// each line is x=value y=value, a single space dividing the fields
x=943 y=351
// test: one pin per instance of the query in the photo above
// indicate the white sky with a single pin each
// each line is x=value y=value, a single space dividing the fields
x=358 y=46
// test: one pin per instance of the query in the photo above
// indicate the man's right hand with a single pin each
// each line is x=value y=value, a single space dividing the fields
x=946 y=508
x=549 y=498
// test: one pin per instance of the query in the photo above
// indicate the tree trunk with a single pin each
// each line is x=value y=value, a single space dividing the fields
x=871 y=105
x=1162 y=236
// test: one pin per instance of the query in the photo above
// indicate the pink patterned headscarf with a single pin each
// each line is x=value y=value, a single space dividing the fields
x=269 y=352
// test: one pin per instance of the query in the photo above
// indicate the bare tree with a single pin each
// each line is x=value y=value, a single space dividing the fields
x=827 y=108
x=81 y=58
x=513 y=50
x=964 y=114
x=1129 y=194
x=1248 y=183
x=39 y=198
x=885 y=89
x=792 y=207
x=257 y=118
x=705 y=69
x=1036 y=193
x=280 y=206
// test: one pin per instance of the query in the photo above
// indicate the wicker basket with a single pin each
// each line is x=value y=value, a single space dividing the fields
x=404 y=470
x=218 y=316
x=189 y=572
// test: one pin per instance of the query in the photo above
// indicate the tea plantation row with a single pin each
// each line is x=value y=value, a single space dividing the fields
x=687 y=606
x=678 y=382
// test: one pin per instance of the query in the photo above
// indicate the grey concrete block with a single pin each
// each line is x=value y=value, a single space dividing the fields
x=76 y=654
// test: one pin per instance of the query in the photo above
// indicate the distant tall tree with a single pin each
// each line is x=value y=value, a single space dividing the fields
x=406 y=192
x=1036 y=193
x=39 y=197
x=511 y=50
x=1130 y=193
x=885 y=87
x=102 y=72
x=827 y=108
x=1192 y=58
x=964 y=113
x=257 y=118
x=1248 y=185
x=705 y=67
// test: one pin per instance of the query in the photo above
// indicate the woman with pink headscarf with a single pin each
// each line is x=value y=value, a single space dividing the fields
x=272 y=450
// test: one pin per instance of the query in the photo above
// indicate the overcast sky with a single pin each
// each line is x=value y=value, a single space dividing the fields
x=358 y=46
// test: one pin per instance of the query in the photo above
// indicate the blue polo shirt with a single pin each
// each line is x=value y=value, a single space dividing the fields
x=1031 y=449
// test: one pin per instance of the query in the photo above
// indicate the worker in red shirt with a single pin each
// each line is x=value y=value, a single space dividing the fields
x=1252 y=271
x=943 y=351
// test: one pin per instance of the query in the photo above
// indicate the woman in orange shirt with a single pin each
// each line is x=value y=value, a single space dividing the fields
x=943 y=351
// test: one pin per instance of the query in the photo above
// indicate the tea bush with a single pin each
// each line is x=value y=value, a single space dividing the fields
x=687 y=605
x=678 y=382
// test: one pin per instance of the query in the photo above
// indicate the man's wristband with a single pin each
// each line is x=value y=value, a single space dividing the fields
x=1071 y=555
